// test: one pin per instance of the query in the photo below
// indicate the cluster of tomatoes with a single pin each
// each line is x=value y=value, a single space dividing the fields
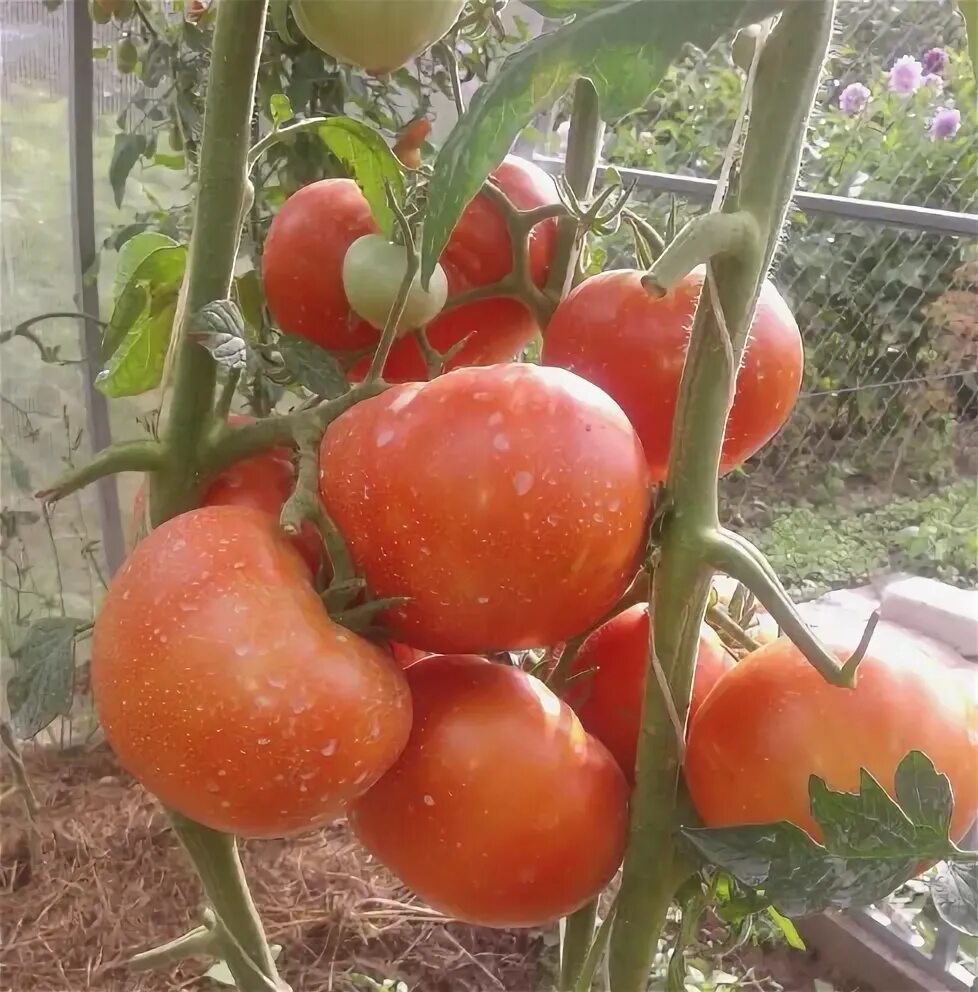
x=505 y=507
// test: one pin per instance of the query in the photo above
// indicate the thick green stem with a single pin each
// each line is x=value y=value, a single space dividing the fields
x=127 y=456
x=786 y=81
x=580 y=165
x=577 y=935
x=238 y=931
x=222 y=196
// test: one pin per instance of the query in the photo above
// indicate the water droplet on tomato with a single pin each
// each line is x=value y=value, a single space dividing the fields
x=522 y=483
x=328 y=749
x=500 y=442
x=385 y=437
x=429 y=800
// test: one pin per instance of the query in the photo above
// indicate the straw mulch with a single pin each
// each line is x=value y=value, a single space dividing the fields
x=106 y=879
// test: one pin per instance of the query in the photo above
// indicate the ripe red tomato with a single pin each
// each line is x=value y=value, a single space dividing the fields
x=224 y=687
x=609 y=701
x=501 y=811
x=611 y=332
x=263 y=482
x=302 y=270
x=509 y=504
x=773 y=721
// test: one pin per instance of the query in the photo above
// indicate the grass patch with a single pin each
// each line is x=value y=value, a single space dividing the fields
x=815 y=549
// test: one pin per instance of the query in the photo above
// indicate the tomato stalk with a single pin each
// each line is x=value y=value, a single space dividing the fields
x=222 y=198
x=580 y=166
x=787 y=72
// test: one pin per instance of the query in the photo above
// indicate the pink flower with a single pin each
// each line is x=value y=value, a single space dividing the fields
x=935 y=61
x=853 y=99
x=945 y=124
x=934 y=82
x=906 y=76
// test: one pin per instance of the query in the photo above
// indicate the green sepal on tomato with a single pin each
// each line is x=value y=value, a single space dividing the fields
x=224 y=687
x=613 y=333
x=302 y=271
x=501 y=810
x=508 y=504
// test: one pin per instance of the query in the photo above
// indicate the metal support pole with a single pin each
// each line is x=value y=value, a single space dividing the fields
x=924 y=219
x=81 y=126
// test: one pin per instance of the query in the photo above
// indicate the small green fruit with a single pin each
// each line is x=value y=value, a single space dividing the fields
x=376 y=35
x=373 y=270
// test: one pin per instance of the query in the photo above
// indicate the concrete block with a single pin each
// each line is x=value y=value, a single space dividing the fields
x=936 y=609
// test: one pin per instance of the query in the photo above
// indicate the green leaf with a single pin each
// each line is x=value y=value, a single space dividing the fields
x=280 y=108
x=44 y=675
x=872 y=845
x=101 y=52
x=969 y=14
x=369 y=161
x=125 y=154
x=787 y=929
x=248 y=296
x=313 y=367
x=794 y=873
x=131 y=254
x=925 y=796
x=624 y=48
x=138 y=336
x=219 y=327
x=563 y=8
x=19 y=471
x=955 y=895
x=169 y=161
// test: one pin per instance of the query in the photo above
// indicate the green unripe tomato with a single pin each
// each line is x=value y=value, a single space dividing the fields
x=98 y=12
x=373 y=270
x=123 y=10
x=376 y=35
x=126 y=56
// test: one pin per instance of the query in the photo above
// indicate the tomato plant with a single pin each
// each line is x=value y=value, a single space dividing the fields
x=611 y=331
x=224 y=687
x=263 y=482
x=377 y=35
x=302 y=269
x=501 y=810
x=773 y=721
x=508 y=503
x=611 y=666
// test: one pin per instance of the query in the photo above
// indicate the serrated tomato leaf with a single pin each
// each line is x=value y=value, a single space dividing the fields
x=623 y=46
x=44 y=674
x=370 y=162
x=796 y=875
x=871 y=844
x=955 y=895
x=135 y=342
x=219 y=327
x=313 y=367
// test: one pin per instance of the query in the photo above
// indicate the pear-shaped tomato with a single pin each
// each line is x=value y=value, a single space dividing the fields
x=376 y=35
x=224 y=687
